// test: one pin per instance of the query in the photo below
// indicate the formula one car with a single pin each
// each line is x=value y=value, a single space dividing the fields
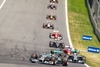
x=76 y=58
x=51 y=17
x=56 y=44
x=48 y=25
x=60 y=53
x=53 y=1
x=67 y=50
x=49 y=58
x=56 y=35
x=52 y=6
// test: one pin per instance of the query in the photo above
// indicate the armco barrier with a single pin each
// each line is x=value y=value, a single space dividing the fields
x=96 y=29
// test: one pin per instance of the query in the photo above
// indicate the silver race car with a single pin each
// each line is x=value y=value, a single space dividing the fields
x=76 y=58
x=49 y=58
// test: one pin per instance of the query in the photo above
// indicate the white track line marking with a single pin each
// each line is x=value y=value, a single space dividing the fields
x=2 y=4
x=68 y=32
x=86 y=65
x=67 y=25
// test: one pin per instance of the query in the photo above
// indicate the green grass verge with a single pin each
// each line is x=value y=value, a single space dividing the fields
x=80 y=24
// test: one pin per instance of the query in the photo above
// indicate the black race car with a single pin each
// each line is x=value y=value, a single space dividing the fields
x=53 y=1
x=48 y=25
x=52 y=6
x=51 y=17
x=57 y=44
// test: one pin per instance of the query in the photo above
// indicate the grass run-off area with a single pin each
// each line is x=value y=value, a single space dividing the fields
x=80 y=25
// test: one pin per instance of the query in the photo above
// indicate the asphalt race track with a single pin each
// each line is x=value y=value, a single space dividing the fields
x=21 y=32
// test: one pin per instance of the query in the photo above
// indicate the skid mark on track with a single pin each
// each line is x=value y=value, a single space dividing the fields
x=2 y=4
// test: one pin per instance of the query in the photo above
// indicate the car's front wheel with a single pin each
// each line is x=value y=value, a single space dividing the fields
x=34 y=58
x=53 y=60
x=43 y=25
x=50 y=35
x=51 y=44
x=64 y=62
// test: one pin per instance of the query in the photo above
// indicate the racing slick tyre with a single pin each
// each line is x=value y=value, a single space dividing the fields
x=53 y=60
x=43 y=26
x=62 y=45
x=61 y=37
x=50 y=35
x=51 y=44
x=55 y=8
x=54 y=18
x=33 y=56
x=47 y=17
x=52 y=26
x=64 y=62
x=84 y=60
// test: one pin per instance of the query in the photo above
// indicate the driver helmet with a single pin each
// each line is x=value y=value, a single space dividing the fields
x=52 y=52
x=51 y=16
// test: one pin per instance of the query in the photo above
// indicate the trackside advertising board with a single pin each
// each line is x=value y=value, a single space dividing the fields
x=85 y=37
x=93 y=49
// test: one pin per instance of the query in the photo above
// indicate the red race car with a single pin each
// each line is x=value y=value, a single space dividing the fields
x=56 y=35
x=67 y=50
